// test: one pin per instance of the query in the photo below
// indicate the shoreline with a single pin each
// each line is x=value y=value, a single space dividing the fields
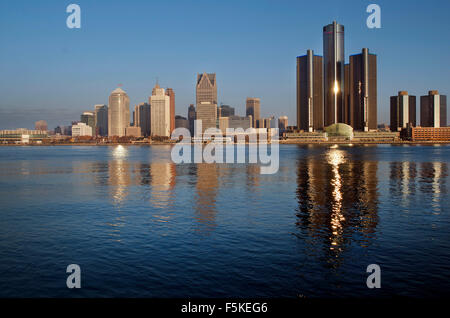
x=281 y=142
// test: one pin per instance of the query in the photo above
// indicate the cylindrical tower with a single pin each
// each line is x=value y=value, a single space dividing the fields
x=118 y=113
x=334 y=61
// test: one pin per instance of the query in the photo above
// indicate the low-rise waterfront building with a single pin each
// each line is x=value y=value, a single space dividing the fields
x=81 y=129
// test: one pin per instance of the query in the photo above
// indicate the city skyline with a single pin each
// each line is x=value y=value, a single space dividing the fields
x=58 y=80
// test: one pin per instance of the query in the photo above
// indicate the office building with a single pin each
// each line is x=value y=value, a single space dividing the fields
x=171 y=94
x=206 y=89
x=118 y=113
x=191 y=118
x=360 y=110
x=403 y=111
x=206 y=96
x=333 y=72
x=253 y=108
x=89 y=119
x=160 y=112
x=181 y=122
x=309 y=92
x=142 y=118
x=207 y=113
x=225 y=111
x=81 y=129
x=101 y=119
x=433 y=110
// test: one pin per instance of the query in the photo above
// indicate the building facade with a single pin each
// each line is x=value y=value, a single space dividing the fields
x=283 y=123
x=171 y=94
x=181 y=122
x=361 y=105
x=309 y=92
x=253 y=108
x=160 y=112
x=142 y=118
x=191 y=118
x=403 y=111
x=118 y=113
x=207 y=113
x=89 y=119
x=101 y=120
x=81 y=129
x=333 y=72
x=206 y=88
x=433 y=110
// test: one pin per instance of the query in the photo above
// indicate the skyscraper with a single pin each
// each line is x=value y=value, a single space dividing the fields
x=433 y=110
x=101 y=120
x=142 y=118
x=362 y=91
x=118 y=113
x=206 y=89
x=191 y=118
x=206 y=95
x=309 y=92
x=253 y=108
x=160 y=112
x=171 y=94
x=207 y=113
x=89 y=119
x=333 y=63
x=403 y=111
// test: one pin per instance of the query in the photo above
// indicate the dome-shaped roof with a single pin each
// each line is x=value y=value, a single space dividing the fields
x=339 y=129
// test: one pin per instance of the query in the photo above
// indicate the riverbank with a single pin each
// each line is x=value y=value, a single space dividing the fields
x=281 y=142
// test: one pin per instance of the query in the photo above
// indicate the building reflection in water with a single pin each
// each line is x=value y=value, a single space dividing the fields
x=206 y=192
x=427 y=177
x=163 y=176
x=118 y=181
x=337 y=202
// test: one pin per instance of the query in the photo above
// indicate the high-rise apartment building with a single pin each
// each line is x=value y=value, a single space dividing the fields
x=309 y=92
x=171 y=94
x=160 y=112
x=118 y=113
x=361 y=78
x=142 y=118
x=333 y=72
x=433 y=110
x=101 y=120
x=253 y=108
x=403 y=111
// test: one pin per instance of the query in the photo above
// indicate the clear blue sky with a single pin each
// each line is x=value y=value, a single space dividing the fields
x=50 y=72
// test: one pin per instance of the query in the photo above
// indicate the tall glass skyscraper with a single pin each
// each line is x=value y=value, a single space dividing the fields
x=333 y=63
